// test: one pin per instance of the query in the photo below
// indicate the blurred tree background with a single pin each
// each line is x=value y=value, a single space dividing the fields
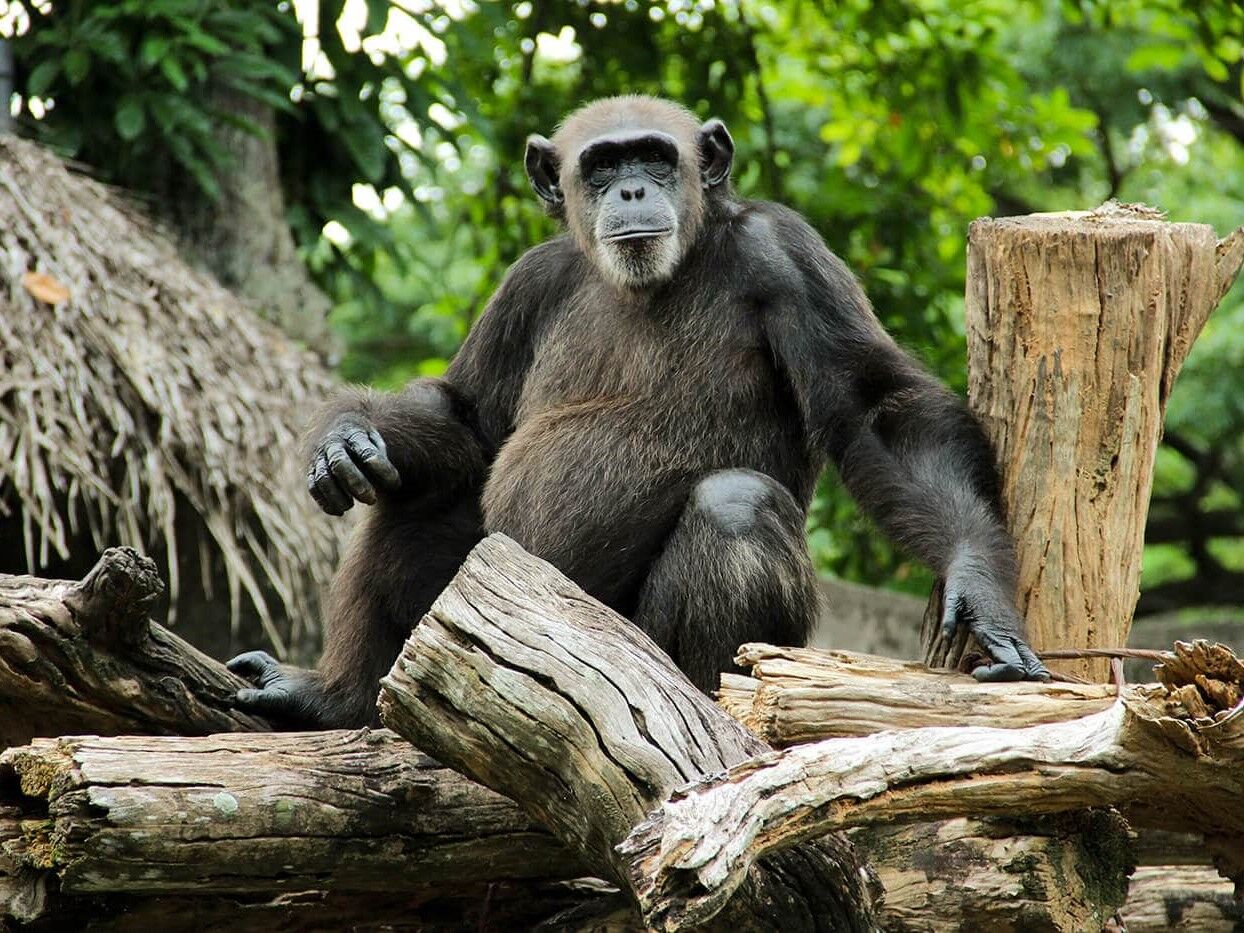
x=365 y=156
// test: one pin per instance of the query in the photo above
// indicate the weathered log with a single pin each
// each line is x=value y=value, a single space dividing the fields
x=797 y=695
x=332 y=830
x=1148 y=754
x=493 y=907
x=520 y=680
x=1090 y=316
x=1045 y=873
x=1188 y=899
x=79 y=657
x=274 y=817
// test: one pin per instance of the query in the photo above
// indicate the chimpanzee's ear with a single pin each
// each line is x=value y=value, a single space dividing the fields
x=716 y=153
x=543 y=165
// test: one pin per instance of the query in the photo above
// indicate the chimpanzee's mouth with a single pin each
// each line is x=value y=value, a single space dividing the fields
x=645 y=234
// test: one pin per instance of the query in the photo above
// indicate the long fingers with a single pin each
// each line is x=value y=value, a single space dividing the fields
x=950 y=613
x=1033 y=668
x=352 y=464
x=369 y=450
x=324 y=489
x=255 y=666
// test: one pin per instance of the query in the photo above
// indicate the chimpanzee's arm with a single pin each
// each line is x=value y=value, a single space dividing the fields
x=905 y=446
x=438 y=435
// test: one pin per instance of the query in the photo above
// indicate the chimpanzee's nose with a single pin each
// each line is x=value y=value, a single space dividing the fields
x=633 y=191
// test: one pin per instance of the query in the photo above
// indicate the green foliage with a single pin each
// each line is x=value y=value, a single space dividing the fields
x=128 y=78
x=889 y=125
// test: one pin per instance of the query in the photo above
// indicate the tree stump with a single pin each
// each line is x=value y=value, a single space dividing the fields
x=1077 y=325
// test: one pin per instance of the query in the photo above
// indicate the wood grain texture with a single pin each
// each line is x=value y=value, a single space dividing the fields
x=78 y=657
x=1187 y=899
x=1002 y=875
x=1077 y=326
x=265 y=815
x=796 y=695
x=523 y=682
x=1161 y=763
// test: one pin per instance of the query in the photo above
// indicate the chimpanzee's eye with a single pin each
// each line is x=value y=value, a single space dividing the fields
x=603 y=171
x=655 y=162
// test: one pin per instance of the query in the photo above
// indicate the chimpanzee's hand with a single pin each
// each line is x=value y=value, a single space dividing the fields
x=973 y=596
x=288 y=696
x=350 y=463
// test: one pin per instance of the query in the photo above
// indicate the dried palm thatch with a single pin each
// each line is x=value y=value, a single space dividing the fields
x=130 y=382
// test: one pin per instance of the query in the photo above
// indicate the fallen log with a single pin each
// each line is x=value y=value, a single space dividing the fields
x=149 y=884
x=331 y=830
x=257 y=821
x=78 y=657
x=1188 y=899
x=1065 y=872
x=797 y=695
x=1162 y=754
x=520 y=680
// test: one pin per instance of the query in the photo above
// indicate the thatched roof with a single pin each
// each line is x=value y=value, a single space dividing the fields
x=127 y=377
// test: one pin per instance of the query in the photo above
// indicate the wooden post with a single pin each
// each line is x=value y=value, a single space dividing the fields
x=1077 y=325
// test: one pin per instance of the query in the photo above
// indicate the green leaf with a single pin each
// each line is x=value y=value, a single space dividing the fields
x=173 y=71
x=1215 y=68
x=42 y=77
x=130 y=119
x=153 y=49
x=1155 y=58
x=77 y=64
x=209 y=44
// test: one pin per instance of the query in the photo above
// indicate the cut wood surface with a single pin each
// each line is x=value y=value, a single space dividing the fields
x=797 y=695
x=264 y=814
x=78 y=657
x=1162 y=761
x=1089 y=316
x=523 y=682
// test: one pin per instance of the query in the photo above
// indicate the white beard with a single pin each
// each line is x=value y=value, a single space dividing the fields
x=640 y=263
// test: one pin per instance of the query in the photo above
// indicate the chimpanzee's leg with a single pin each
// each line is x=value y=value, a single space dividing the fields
x=400 y=558
x=735 y=569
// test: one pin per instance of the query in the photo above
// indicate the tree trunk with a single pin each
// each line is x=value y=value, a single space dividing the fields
x=83 y=657
x=243 y=236
x=1077 y=326
x=520 y=680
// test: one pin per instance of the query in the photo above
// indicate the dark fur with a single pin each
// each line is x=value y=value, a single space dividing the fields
x=659 y=445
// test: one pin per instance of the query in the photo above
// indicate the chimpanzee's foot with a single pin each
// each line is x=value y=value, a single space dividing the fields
x=291 y=698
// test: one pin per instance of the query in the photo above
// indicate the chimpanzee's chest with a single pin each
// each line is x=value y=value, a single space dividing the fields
x=698 y=360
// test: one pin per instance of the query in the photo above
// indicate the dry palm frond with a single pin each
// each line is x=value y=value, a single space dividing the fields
x=129 y=382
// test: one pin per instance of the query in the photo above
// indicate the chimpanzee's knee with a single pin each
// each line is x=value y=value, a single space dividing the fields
x=735 y=569
x=739 y=502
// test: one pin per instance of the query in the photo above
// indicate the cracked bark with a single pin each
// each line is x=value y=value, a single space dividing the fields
x=1090 y=317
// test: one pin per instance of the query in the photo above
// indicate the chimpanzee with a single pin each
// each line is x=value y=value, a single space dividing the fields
x=646 y=403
